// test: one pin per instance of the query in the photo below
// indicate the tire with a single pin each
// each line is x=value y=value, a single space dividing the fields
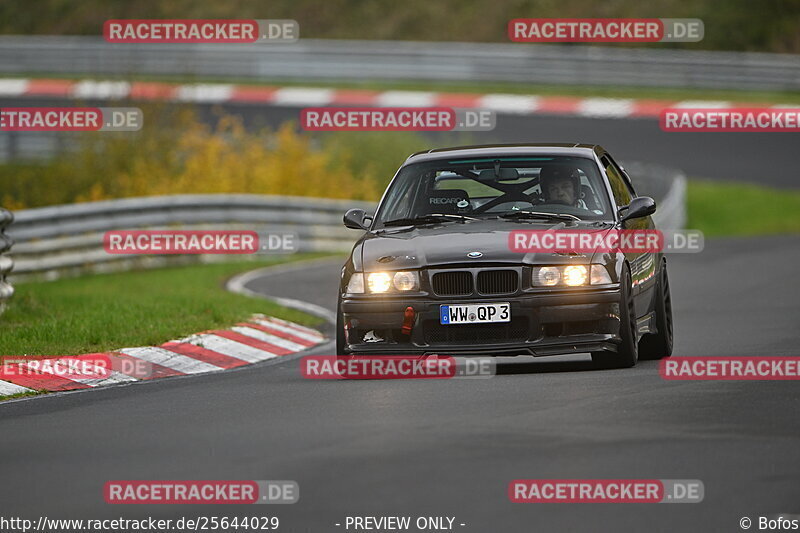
x=659 y=345
x=341 y=352
x=627 y=353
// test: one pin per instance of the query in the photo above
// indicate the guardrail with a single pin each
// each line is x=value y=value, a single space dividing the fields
x=316 y=59
x=34 y=145
x=6 y=263
x=68 y=239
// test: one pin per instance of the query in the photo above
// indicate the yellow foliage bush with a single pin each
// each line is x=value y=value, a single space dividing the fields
x=186 y=156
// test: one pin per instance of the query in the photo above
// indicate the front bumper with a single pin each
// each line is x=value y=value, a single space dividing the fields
x=574 y=321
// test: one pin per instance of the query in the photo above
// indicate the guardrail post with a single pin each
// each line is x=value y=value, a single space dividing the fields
x=6 y=263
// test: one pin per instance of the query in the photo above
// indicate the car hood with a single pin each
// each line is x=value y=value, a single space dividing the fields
x=449 y=243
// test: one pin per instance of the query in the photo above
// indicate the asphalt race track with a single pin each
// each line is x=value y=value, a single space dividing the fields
x=764 y=158
x=450 y=447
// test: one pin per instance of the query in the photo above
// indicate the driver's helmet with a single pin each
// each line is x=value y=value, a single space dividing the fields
x=552 y=173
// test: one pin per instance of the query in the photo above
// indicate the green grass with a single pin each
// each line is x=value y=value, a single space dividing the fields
x=726 y=208
x=22 y=395
x=656 y=93
x=140 y=308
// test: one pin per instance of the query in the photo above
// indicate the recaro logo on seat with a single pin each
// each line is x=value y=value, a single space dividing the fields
x=444 y=200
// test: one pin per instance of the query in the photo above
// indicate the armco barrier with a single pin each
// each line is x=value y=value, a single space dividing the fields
x=6 y=263
x=68 y=239
x=315 y=59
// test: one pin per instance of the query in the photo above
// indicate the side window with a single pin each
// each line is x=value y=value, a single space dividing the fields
x=401 y=199
x=589 y=195
x=621 y=191
x=625 y=177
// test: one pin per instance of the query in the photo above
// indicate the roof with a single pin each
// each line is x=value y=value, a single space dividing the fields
x=584 y=150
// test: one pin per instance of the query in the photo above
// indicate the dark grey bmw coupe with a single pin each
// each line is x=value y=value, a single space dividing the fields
x=434 y=272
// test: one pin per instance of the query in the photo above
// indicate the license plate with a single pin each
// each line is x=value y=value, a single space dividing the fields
x=474 y=313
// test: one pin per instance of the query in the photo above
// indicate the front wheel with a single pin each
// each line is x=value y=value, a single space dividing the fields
x=659 y=345
x=626 y=355
x=341 y=351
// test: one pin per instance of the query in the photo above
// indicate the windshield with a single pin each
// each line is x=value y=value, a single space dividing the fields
x=497 y=187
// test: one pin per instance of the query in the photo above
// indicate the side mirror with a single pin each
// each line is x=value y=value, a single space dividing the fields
x=355 y=219
x=641 y=206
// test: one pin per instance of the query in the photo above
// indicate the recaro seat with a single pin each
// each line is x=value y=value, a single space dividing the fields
x=445 y=201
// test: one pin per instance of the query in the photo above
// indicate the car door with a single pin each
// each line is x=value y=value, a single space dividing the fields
x=643 y=265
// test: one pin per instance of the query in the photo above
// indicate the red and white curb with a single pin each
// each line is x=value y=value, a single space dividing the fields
x=259 y=339
x=214 y=93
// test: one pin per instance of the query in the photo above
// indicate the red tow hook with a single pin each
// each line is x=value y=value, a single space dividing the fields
x=408 y=321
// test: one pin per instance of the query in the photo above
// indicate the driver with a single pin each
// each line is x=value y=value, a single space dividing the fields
x=561 y=185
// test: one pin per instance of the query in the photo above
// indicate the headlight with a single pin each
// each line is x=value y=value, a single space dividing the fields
x=546 y=276
x=356 y=284
x=570 y=276
x=575 y=275
x=406 y=281
x=383 y=282
x=379 y=282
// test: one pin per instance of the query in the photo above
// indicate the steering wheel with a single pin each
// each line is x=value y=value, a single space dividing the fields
x=509 y=206
x=510 y=197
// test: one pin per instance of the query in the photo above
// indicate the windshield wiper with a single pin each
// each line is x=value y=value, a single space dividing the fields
x=536 y=214
x=427 y=219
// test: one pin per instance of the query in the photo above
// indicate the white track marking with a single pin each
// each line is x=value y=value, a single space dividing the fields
x=606 y=107
x=7 y=388
x=228 y=347
x=302 y=96
x=13 y=87
x=175 y=361
x=312 y=336
x=238 y=284
x=510 y=103
x=703 y=104
x=282 y=331
x=406 y=99
x=73 y=369
x=205 y=92
x=266 y=337
x=101 y=89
